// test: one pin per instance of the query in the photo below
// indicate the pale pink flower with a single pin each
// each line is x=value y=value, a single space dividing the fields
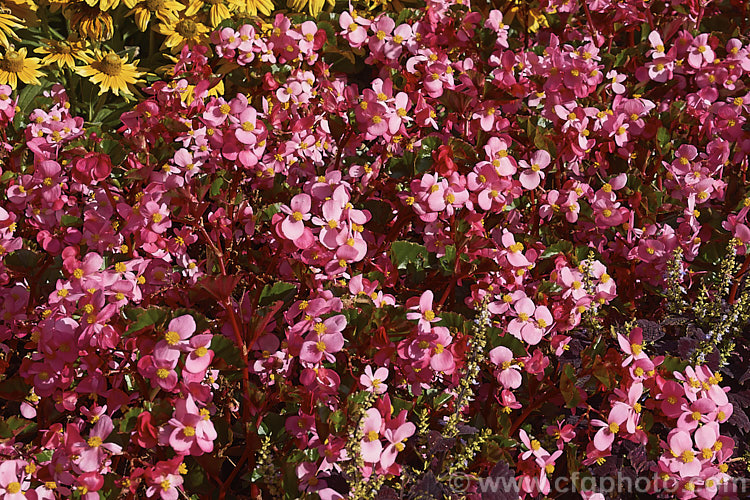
x=373 y=382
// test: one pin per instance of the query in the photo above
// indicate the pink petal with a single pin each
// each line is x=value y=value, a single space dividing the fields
x=292 y=229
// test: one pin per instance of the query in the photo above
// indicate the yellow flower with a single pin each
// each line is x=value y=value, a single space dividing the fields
x=535 y=18
x=90 y=22
x=220 y=9
x=164 y=10
x=16 y=66
x=23 y=10
x=112 y=73
x=63 y=52
x=313 y=6
x=104 y=4
x=185 y=31
x=7 y=23
x=252 y=7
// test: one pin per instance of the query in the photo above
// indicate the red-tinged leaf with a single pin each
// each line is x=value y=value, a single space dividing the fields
x=14 y=389
x=568 y=387
x=219 y=287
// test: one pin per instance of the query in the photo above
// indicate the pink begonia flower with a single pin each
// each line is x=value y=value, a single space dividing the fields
x=615 y=81
x=509 y=375
x=547 y=465
x=515 y=254
x=373 y=382
x=157 y=216
x=695 y=413
x=354 y=30
x=164 y=483
x=532 y=321
x=672 y=399
x=563 y=433
x=442 y=359
x=715 y=392
x=160 y=368
x=90 y=264
x=572 y=280
x=200 y=355
x=13 y=486
x=700 y=52
x=605 y=436
x=632 y=346
x=590 y=495
x=657 y=45
x=92 y=482
x=371 y=447
x=179 y=331
x=92 y=451
x=190 y=430
x=685 y=461
x=293 y=226
x=250 y=128
x=497 y=154
x=313 y=351
x=533 y=173
x=706 y=437
x=326 y=340
x=508 y=401
x=426 y=315
x=396 y=440
x=534 y=447
x=631 y=405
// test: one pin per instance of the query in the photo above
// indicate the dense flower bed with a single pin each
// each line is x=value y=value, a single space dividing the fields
x=375 y=253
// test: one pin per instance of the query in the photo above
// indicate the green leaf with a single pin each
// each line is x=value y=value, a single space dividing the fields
x=561 y=247
x=673 y=364
x=406 y=252
x=441 y=399
x=14 y=426
x=568 y=387
x=452 y=321
x=22 y=259
x=143 y=318
x=448 y=261
x=71 y=221
x=27 y=96
x=663 y=139
x=216 y=186
x=277 y=291
x=227 y=351
x=128 y=421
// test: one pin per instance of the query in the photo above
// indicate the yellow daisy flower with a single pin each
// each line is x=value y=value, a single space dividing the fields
x=22 y=10
x=8 y=22
x=63 y=52
x=220 y=9
x=111 y=72
x=164 y=10
x=104 y=4
x=252 y=7
x=313 y=6
x=90 y=22
x=185 y=31
x=16 y=66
